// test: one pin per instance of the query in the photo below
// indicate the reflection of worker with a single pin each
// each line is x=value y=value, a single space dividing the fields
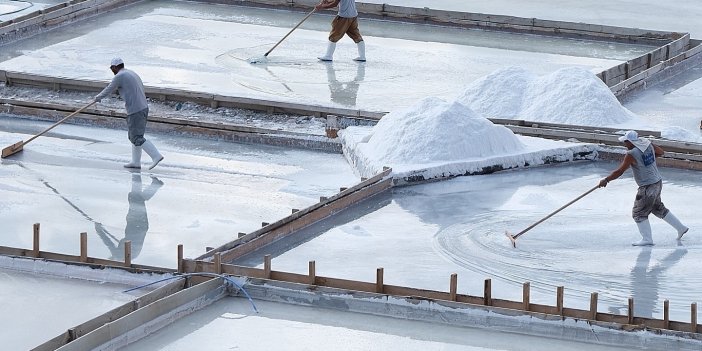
x=345 y=93
x=346 y=22
x=641 y=157
x=131 y=89
x=645 y=281
x=137 y=219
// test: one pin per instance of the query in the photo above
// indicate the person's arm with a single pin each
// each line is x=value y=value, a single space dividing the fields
x=109 y=89
x=327 y=4
x=658 y=150
x=626 y=163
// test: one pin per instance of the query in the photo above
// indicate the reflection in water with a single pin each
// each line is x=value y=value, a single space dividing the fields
x=345 y=93
x=137 y=219
x=645 y=281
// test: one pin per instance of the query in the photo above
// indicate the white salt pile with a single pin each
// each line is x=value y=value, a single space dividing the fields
x=568 y=96
x=434 y=130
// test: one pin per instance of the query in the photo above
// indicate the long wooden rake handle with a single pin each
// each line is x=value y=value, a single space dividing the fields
x=59 y=122
x=513 y=238
x=290 y=32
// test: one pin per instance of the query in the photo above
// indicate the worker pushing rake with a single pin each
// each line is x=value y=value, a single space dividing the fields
x=641 y=158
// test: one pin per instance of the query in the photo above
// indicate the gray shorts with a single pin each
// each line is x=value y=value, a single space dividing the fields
x=136 y=126
x=648 y=200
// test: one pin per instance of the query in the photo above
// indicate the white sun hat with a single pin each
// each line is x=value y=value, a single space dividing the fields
x=116 y=61
x=633 y=137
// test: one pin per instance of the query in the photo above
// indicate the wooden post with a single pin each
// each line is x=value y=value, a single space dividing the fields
x=526 y=292
x=453 y=288
x=342 y=189
x=323 y=198
x=666 y=314
x=379 y=281
x=240 y=235
x=630 y=312
x=295 y=210
x=593 y=306
x=128 y=253
x=559 y=300
x=180 y=258
x=208 y=248
x=312 y=272
x=35 y=248
x=627 y=70
x=263 y=224
x=218 y=263
x=267 y=266
x=84 y=247
x=487 y=293
x=693 y=317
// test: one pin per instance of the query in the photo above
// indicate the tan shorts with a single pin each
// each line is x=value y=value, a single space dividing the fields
x=648 y=200
x=341 y=26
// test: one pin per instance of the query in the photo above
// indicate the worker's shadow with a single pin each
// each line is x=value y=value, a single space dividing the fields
x=137 y=220
x=345 y=92
x=645 y=280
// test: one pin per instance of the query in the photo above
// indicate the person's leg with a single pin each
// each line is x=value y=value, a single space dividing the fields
x=148 y=146
x=355 y=35
x=136 y=125
x=660 y=211
x=336 y=33
x=643 y=205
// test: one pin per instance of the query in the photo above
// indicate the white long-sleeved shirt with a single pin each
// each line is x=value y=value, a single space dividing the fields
x=131 y=89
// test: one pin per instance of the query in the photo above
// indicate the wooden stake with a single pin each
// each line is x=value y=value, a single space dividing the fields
x=240 y=235
x=526 y=292
x=342 y=189
x=128 y=253
x=379 y=281
x=180 y=258
x=218 y=262
x=35 y=249
x=295 y=210
x=487 y=293
x=323 y=198
x=267 y=266
x=559 y=300
x=593 y=306
x=666 y=314
x=263 y=224
x=453 y=288
x=630 y=312
x=312 y=273
x=693 y=317
x=84 y=247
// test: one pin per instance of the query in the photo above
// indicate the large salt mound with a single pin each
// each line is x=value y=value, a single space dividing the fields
x=434 y=130
x=568 y=96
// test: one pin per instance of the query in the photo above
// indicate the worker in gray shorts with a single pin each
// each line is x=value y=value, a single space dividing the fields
x=641 y=157
x=346 y=22
x=131 y=89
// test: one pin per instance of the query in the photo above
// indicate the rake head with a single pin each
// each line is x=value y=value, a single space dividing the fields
x=511 y=238
x=12 y=149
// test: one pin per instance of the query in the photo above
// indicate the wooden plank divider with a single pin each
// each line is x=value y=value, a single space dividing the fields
x=180 y=258
x=128 y=253
x=35 y=241
x=526 y=292
x=487 y=292
x=453 y=287
x=379 y=286
x=84 y=247
x=267 y=266
x=593 y=306
x=693 y=317
x=312 y=273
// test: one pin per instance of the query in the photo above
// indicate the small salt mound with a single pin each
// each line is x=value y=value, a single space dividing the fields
x=434 y=130
x=568 y=96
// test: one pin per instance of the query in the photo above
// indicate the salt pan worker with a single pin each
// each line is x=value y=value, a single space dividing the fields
x=346 y=22
x=131 y=89
x=641 y=157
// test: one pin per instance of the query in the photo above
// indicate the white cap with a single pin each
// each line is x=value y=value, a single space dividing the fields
x=633 y=137
x=116 y=62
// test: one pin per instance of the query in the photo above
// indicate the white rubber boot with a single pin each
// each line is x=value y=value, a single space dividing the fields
x=151 y=150
x=361 y=51
x=645 y=231
x=675 y=222
x=136 y=158
x=331 y=46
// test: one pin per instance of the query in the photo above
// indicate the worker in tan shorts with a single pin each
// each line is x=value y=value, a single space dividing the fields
x=345 y=22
